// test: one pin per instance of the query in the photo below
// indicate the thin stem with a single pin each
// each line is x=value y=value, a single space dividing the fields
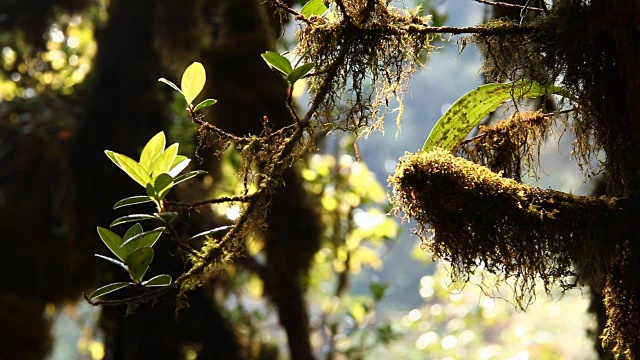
x=504 y=4
x=224 y=199
x=290 y=106
x=343 y=10
x=286 y=8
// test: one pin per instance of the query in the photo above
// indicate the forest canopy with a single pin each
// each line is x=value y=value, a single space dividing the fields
x=261 y=211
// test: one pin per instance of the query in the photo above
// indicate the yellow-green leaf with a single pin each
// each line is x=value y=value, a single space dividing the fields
x=313 y=7
x=164 y=162
x=152 y=151
x=467 y=112
x=130 y=166
x=193 y=81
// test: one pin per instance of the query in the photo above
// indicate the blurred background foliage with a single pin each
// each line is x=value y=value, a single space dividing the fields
x=370 y=290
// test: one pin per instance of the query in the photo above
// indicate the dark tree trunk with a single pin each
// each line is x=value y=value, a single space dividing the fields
x=247 y=90
x=125 y=110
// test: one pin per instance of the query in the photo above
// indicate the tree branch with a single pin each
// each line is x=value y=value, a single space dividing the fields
x=504 y=4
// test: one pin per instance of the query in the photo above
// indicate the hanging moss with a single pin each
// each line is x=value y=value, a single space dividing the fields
x=511 y=146
x=367 y=53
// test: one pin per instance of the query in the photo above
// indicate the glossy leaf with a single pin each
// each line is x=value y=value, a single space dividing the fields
x=130 y=167
x=108 y=289
x=205 y=104
x=160 y=280
x=159 y=187
x=112 y=241
x=313 y=7
x=147 y=238
x=165 y=161
x=277 y=61
x=179 y=164
x=132 y=218
x=187 y=176
x=170 y=84
x=470 y=109
x=210 y=232
x=138 y=263
x=113 y=261
x=133 y=231
x=152 y=150
x=299 y=72
x=133 y=200
x=193 y=80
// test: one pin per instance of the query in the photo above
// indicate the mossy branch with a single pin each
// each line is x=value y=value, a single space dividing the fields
x=522 y=232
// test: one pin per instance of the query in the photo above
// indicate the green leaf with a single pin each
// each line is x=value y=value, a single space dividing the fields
x=378 y=290
x=467 y=112
x=152 y=151
x=138 y=263
x=129 y=166
x=193 y=80
x=113 y=261
x=133 y=231
x=108 y=289
x=277 y=61
x=167 y=217
x=160 y=280
x=313 y=7
x=205 y=104
x=133 y=200
x=164 y=162
x=211 y=231
x=187 y=176
x=112 y=241
x=159 y=187
x=179 y=164
x=299 y=72
x=132 y=218
x=170 y=84
x=144 y=239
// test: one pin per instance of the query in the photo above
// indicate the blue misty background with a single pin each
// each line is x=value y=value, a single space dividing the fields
x=447 y=76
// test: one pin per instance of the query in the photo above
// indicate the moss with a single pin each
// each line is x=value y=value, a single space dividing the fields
x=511 y=146
x=364 y=56
x=482 y=219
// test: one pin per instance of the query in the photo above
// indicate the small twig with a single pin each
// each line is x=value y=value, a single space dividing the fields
x=543 y=5
x=223 y=134
x=290 y=107
x=286 y=8
x=224 y=199
x=343 y=10
x=181 y=245
x=504 y=4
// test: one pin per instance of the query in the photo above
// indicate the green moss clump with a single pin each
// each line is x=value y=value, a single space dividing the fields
x=482 y=219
